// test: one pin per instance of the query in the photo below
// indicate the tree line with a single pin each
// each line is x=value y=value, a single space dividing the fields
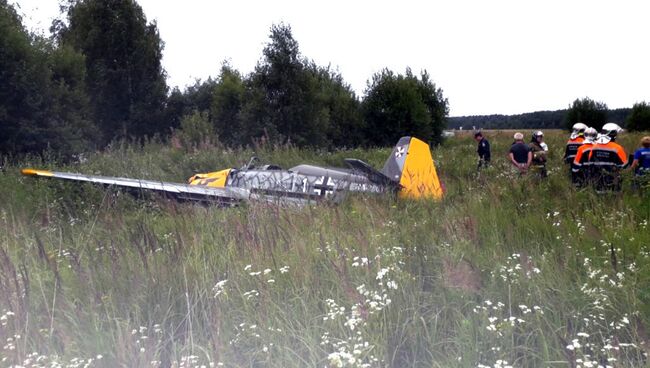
x=585 y=110
x=98 y=77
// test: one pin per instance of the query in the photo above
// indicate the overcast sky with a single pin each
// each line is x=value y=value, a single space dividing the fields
x=489 y=57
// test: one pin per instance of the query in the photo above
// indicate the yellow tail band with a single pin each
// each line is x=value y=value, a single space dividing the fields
x=419 y=177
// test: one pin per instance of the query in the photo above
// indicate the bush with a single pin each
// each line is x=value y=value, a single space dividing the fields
x=196 y=132
x=639 y=118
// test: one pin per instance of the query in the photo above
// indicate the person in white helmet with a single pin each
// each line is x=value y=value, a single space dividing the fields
x=581 y=167
x=607 y=159
x=574 y=142
x=539 y=151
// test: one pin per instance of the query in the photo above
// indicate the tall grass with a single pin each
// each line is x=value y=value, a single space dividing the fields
x=505 y=271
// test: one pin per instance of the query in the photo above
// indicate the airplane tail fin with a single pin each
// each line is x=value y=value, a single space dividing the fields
x=412 y=166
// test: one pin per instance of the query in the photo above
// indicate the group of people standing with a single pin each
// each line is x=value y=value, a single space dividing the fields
x=597 y=160
x=524 y=157
x=594 y=159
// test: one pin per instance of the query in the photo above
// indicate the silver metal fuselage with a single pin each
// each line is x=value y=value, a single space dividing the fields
x=303 y=183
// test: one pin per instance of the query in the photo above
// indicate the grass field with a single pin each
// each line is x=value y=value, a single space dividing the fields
x=505 y=271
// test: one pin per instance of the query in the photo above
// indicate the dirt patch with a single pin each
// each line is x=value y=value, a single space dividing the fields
x=461 y=275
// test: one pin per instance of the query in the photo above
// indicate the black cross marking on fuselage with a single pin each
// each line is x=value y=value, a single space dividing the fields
x=324 y=187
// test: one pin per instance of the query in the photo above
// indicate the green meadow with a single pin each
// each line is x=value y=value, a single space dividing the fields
x=504 y=271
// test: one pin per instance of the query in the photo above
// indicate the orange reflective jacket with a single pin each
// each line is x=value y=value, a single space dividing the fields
x=572 y=146
x=582 y=156
x=608 y=154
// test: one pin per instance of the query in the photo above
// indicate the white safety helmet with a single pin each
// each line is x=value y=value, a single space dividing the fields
x=577 y=129
x=538 y=133
x=611 y=130
x=590 y=134
x=602 y=139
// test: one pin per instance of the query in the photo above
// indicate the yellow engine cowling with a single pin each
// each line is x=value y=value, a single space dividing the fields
x=214 y=179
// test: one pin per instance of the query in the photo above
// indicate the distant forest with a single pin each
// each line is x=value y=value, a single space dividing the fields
x=532 y=120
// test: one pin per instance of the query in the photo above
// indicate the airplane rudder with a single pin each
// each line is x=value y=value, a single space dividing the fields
x=394 y=165
x=422 y=180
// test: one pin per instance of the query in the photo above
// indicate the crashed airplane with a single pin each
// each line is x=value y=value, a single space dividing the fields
x=409 y=171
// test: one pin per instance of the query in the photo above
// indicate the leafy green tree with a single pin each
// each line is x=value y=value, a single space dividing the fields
x=197 y=97
x=398 y=105
x=286 y=99
x=42 y=102
x=276 y=89
x=341 y=106
x=437 y=106
x=586 y=111
x=196 y=130
x=68 y=118
x=125 y=80
x=227 y=100
x=639 y=118
x=256 y=113
x=281 y=96
x=22 y=78
x=175 y=108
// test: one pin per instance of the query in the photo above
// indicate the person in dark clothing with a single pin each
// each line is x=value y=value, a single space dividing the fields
x=537 y=146
x=520 y=154
x=581 y=168
x=575 y=141
x=483 y=150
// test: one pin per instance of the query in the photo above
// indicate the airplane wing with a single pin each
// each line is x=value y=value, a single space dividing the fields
x=222 y=196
